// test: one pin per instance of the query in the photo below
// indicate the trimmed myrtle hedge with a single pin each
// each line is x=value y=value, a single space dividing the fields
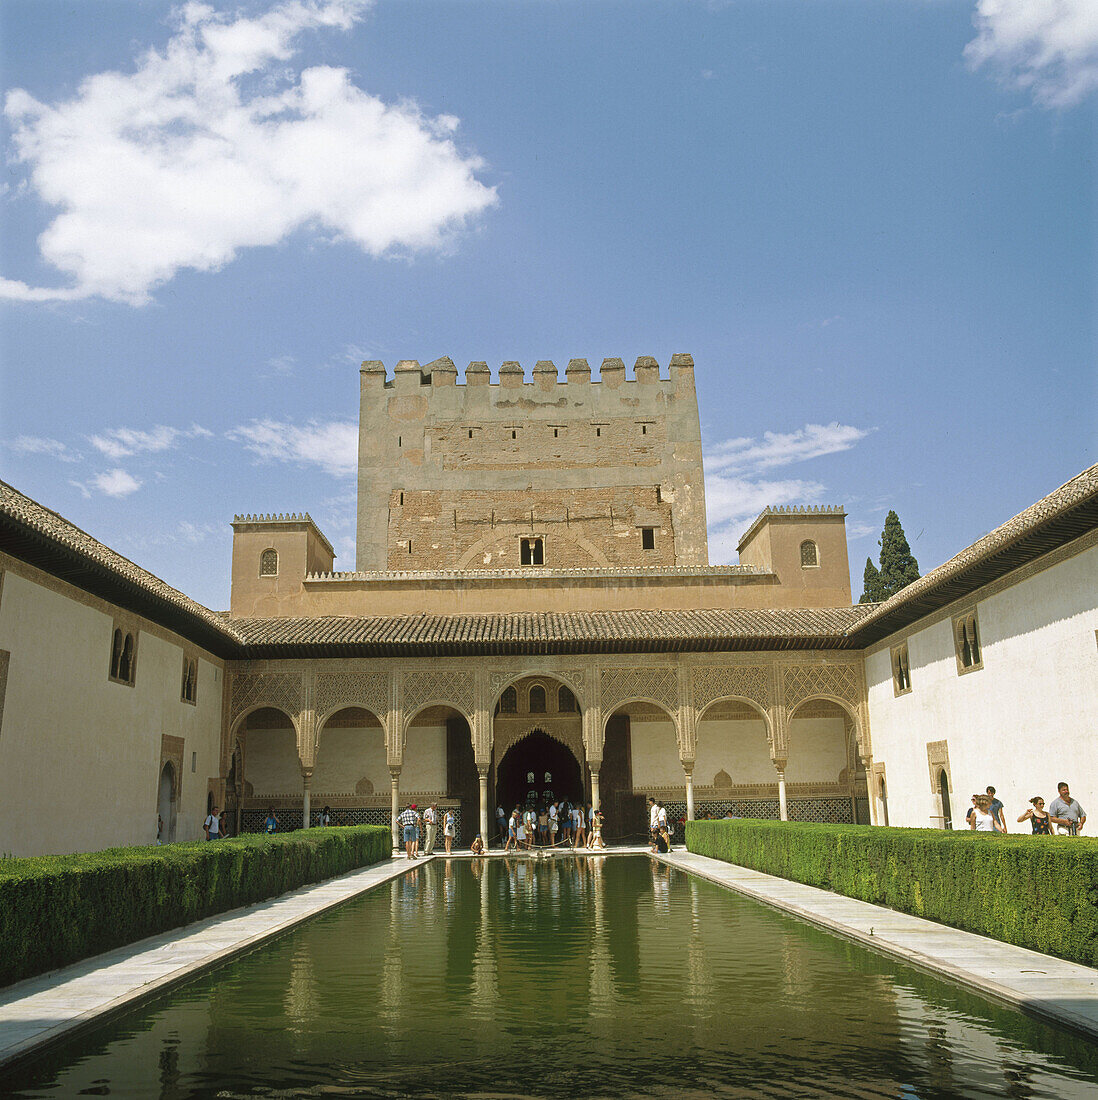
x=1039 y=892
x=57 y=909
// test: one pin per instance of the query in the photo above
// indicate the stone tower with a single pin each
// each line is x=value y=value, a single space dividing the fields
x=561 y=474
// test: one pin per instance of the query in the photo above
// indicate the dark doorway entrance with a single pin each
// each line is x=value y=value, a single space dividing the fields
x=462 y=781
x=624 y=813
x=537 y=752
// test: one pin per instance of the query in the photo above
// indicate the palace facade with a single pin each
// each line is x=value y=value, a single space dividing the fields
x=533 y=596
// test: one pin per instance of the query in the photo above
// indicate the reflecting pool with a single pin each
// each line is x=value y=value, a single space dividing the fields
x=564 y=977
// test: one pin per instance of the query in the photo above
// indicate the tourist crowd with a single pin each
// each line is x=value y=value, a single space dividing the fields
x=1064 y=816
x=550 y=824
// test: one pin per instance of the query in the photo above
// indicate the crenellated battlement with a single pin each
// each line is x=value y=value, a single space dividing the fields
x=408 y=374
x=280 y=517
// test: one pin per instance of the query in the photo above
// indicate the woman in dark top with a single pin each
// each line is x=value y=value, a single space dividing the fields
x=1038 y=818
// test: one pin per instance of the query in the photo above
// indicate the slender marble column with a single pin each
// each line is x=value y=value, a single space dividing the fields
x=394 y=776
x=306 y=780
x=482 y=774
x=690 y=796
x=783 y=809
x=595 y=789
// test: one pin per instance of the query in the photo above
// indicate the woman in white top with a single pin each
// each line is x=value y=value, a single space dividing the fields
x=981 y=820
x=448 y=829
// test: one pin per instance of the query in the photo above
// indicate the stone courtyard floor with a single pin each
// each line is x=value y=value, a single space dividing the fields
x=39 y=1011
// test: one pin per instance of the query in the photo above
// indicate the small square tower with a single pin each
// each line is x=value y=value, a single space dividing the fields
x=806 y=548
x=271 y=557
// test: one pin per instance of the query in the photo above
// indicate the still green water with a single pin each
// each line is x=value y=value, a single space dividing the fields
x=561 y=978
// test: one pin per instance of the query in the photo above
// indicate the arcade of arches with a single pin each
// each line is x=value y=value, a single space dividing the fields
x=774 y=736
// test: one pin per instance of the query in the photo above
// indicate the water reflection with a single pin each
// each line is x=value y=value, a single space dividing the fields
x=565 y=977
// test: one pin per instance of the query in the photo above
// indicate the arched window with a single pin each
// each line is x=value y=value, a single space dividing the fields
x=508 y=701
x=190 y=680
x=566 y=701
x=967 y=640
x=116 y=653
x=125 y=662
x=537 y=699
x=810 y=556
x=268 y=563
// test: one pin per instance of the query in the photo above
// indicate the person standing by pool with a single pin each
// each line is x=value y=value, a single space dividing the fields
x=449 y=829
x=543 y=827
x=596 y=831
x=501 y=824
x=661 y=823
x=554 y=824
x=1067 y=815
x=997 y=810
x=981 y=820
x=1040 y=820
x=430 y=820
x=407 y=821
x=653 y=822
x=530 y=826
x=579 y=829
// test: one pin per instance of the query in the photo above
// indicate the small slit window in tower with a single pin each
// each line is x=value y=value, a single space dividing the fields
x=648 y=538
x=556 y=432
x=598 y=431
x=514 y=434
x=268 y=563
x=810 y=556
x=470 y=433
x=532 y=552
x=644 y=429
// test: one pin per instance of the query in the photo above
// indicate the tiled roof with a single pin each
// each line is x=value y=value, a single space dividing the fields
x=1056 y=519
x=565 y=632
x=36 y=534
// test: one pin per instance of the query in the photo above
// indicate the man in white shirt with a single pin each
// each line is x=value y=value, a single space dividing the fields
x=430 y=819
x=553 y=824
x=653 y=822
x=212 y=825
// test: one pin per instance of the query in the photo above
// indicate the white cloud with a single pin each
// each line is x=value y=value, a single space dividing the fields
x=215 y=145
x=123 y=442
x=113 y=483
x=1048 y=47
x=781 y=449
x=38 y=445
x=332 y=446
x=735 y=491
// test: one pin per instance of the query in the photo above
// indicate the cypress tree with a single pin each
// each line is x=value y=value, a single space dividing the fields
x=871 y=583
x=898 y=566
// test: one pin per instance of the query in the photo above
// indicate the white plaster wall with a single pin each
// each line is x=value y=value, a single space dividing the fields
x=80 y=755
x=737 y=747
x=655 y=753
x=817 y=750
x=271 y=763
x=1021 y=723
x=424 y=759
x=347 y=756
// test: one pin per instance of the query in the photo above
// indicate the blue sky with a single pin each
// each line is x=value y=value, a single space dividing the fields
x=872 y=224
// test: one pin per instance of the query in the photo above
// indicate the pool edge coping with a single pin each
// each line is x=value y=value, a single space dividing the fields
x=723 y=874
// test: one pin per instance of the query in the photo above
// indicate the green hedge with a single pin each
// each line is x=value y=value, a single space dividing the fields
x=57 y=909
x=1034 y=891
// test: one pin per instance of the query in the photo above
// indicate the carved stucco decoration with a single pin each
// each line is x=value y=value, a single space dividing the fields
x=745 y=681
x=281 y=690
x=620 y=685
x=445 y=686
x=337 y=690
x=836 y=681
x=566 y=732
x=572 y=677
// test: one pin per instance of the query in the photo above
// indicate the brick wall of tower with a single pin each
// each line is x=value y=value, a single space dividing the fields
x=463 y=472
